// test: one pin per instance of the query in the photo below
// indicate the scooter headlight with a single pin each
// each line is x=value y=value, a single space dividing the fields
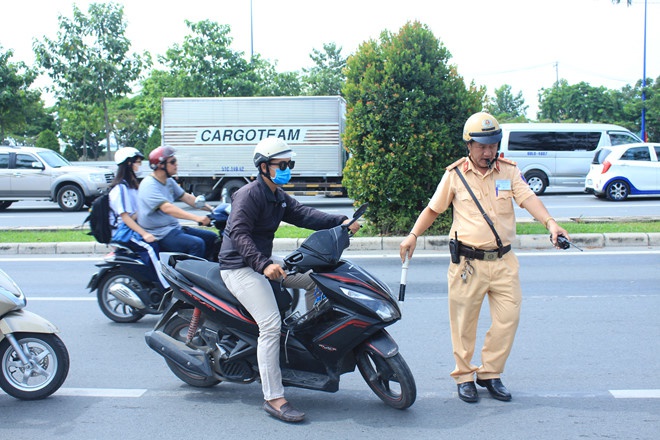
x=383 y=309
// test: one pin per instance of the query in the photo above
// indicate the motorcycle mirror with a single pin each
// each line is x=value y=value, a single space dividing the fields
x=358 y=213
x=200 y=201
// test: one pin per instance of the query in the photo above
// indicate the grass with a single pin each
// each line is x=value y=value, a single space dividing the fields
x=80 y=235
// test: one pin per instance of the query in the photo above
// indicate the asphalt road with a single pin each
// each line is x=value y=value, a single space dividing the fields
x=583 y=365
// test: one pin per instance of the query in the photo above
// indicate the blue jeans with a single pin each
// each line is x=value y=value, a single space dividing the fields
x=192 y=241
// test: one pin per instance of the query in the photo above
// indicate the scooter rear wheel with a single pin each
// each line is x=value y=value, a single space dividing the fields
x=112 y=307
x=390 y=378
x=177 y=328
x=46 y=371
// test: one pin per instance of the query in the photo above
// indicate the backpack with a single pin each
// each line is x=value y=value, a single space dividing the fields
x=99 y=219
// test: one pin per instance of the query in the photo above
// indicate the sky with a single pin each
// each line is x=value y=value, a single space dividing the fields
x=526 y=44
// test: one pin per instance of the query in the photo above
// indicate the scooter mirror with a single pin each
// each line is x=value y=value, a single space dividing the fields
x=360 y=211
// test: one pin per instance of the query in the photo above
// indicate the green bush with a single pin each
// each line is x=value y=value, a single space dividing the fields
x=48 y=139
x=406 y=107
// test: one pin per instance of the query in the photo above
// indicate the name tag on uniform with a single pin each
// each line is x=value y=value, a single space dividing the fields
x=503 y=185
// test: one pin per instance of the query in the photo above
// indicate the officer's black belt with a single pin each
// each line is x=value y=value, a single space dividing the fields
x=480 y=254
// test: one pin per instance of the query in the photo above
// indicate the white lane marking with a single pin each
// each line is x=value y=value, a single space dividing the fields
x=635 y=394
x=139 y=392
x=101 y=392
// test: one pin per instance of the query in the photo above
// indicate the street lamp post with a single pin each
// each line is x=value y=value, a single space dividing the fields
x=252 y=36
x=644 y=79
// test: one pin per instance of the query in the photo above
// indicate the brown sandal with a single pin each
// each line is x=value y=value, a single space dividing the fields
x=286 y=413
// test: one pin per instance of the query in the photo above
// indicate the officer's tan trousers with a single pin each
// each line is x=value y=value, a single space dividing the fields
x=499 y=279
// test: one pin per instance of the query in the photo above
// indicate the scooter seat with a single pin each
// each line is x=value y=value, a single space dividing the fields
x=206 y=274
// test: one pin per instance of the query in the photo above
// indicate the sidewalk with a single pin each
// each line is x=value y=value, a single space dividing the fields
x=431 y=243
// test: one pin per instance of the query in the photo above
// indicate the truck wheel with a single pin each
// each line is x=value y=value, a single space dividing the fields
x=537 y=181
x=229 y=188
x=70 y=198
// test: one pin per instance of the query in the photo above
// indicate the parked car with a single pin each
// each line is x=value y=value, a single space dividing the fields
x=624 y=170
x=30 y=173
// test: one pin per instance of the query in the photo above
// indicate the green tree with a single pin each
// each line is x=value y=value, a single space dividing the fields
x=205 y=65
x=577 y=103
x=47 y=139
x=326 y=78
x=70 y=154
x=81 y=127
x=153 y=142
x=130 y=130
x=506 y=107
x=632 y=107
x=89 y=61
x=406 y=107
x=17 y=101
x=269 y=82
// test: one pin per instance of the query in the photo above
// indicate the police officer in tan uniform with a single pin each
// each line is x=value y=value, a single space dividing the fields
x=484 y=265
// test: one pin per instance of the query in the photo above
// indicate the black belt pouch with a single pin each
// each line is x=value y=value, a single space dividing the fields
x=453 y=251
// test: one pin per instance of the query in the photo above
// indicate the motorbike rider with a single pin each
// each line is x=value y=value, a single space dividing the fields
x=123 y=201
x=247 y=263
x=158 y=214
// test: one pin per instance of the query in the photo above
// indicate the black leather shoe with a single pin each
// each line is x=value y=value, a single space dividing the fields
x=467 y=392
x=496 y=389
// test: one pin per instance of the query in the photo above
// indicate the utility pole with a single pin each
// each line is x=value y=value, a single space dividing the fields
x=644 y=80
x=556 y=65
x=251 y=35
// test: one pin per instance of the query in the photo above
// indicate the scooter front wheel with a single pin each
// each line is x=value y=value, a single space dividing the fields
x=45 y=372
x=110 y=305
x=390 y=378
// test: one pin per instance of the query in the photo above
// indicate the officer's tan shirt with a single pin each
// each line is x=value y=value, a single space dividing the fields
x=496 y=191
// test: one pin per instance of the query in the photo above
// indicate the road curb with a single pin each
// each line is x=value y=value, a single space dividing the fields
x=432 y=243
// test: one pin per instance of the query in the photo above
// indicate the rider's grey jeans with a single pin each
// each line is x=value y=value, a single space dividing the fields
x=254 y=292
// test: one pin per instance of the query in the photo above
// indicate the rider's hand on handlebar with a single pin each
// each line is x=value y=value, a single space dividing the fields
x=203 y=220
x=354 y=227
x=274 y=272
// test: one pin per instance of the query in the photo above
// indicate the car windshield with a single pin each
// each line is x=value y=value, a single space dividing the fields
x=53 y=159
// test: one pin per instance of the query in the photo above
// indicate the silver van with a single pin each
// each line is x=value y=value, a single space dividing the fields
x=558 y=154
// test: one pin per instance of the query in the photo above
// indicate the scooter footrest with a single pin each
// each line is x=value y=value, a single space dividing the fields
x=311 y=381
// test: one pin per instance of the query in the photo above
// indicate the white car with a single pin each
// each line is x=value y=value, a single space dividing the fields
x=624 y=170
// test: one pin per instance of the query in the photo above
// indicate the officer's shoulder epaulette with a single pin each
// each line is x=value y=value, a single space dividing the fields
x=457 y=163
x=508 y=161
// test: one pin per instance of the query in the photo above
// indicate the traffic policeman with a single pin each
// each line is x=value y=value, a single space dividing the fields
x=482 y=260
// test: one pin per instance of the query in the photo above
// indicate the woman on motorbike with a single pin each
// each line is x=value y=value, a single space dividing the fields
x=123 y=201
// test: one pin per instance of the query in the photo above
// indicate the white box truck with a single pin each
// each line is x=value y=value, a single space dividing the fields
x=215 y=138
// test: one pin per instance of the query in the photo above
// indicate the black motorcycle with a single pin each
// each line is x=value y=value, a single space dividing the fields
x=206 y=336
x=127 y=285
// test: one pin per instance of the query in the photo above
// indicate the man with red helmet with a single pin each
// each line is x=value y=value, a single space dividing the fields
x=158 y=214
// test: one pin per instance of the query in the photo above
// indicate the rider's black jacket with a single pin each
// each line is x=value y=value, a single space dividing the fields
x=256 y=213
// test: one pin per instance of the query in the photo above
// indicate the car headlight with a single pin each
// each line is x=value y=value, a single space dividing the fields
x=384 y=310
x=97 y=178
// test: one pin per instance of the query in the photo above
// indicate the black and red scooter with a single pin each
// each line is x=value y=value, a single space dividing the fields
x=206 y=336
